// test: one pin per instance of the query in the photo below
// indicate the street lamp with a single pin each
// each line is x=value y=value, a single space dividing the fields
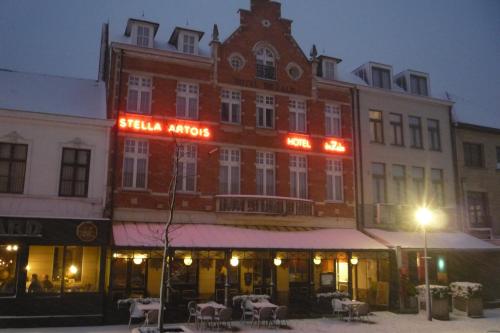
x=354 y=262
x=424 y=216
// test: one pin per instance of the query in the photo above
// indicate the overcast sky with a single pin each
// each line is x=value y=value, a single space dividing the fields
x=456 y=41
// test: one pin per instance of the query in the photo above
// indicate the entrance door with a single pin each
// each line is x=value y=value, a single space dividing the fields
x=298 y=269
x=262 y=276
x=128 y=278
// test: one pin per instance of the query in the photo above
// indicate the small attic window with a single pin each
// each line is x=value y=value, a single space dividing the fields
x=418 y=85
x=187 y=43
x=381 y=77
x=143 y=36
x=328 y=69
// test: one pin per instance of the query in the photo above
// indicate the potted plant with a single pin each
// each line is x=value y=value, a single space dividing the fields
x=467 y=297
x=439 y=300
x=409 y=295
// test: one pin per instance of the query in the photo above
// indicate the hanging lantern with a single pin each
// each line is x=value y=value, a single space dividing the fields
x=188 y=261
x=277 y=261
x=317 y=260
x=234 y=261
x=354 y=260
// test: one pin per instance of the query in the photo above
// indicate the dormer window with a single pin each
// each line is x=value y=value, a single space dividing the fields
x=381 y=77
x=329 y=69
x=266 y=64
x=418 y=85
x=186 y=40
x=143 y=36
x=188 y=43
x=141 y=32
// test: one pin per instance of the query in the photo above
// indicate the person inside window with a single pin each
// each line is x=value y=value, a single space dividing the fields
x=35 y=285
x=46 y=284
x=7 y=283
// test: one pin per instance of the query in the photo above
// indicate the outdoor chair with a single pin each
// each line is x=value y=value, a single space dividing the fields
x=192 y=311
x=152 y=318
x=263 y=315
x=362 y=311
x=224 y=317
x=205 y=317
x=280 y=316
x=134 y=313
x=246 y=310
x=338 y=310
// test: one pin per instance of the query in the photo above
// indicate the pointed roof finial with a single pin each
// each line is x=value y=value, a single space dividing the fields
x=215 y=33
x=314 y=52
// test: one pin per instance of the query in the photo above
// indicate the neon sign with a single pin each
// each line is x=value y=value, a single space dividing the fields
x=154 y=126
x=335 y=146
x=298 y=142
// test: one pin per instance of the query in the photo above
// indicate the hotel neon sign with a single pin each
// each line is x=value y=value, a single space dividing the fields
x=335 y=146
x=155 y=126
x=302 y=142
x=298 y=142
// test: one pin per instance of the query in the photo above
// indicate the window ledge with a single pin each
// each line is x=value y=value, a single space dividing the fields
x=133 y=189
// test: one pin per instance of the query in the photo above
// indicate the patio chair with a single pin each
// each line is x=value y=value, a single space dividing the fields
x=224 y=317
x=338 y=310
x=134 y=313
x=152 y=317
x=205 y=316
x=246 y=310
x=280 y=315
x=263 y=315
x=192 y=311
x=362 y=311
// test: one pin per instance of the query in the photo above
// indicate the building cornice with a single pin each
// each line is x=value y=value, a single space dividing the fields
x=402 y=95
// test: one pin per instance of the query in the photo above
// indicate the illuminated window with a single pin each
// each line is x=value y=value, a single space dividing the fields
x=8 y=269
x=143 y=36
x=265 y=173
x=399 y=181
x=415 y=132
x=187 y=100
x=265 y=111
x=298 y=176
x=396 y=121
x=265 y=61
x=332 y=120
x=186 y=175
x=434 y=135
x=12 y=167
x=418 y=177
x=75 y=167
x=139 y=94
x=376 y=127
x=230 y=106
x=229 y=171
x=334 y=180
x=135 y=163
x=437 y=186
x=297 y=109
x=378 y=182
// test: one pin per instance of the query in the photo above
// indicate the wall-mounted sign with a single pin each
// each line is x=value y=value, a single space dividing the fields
x=86 y=231
x=299 y=142
x=20 y=228
x=335 y=146
x=148 y=125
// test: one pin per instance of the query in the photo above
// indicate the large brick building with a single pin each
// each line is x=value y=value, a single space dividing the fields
x=263 y=135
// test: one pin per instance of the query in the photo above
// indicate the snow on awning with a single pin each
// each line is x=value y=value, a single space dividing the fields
x=132 y=234
x=435 y=240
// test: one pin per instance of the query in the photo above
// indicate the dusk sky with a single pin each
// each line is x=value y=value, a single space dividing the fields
x=456 y=41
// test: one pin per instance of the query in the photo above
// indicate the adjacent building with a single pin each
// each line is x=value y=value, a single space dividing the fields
x=478 y=161
x=53 y=235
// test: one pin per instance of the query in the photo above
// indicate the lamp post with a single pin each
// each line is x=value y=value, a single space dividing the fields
x=424 y=217
x=354 y=262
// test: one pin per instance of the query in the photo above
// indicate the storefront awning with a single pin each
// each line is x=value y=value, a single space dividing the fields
x=435 y=240
x=129 y=234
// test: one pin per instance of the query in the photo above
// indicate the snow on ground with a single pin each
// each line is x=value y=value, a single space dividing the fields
x=382 y=322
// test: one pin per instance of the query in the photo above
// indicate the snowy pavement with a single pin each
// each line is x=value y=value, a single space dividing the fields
x=382 y=322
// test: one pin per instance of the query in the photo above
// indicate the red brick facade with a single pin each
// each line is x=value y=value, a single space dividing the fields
x=167 y=68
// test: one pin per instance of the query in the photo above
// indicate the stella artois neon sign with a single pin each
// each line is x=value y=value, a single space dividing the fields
x=155 y=126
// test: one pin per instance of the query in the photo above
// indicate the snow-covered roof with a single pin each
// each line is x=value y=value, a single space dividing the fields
x=52 y=94
x=435 y=240
x=219 y=236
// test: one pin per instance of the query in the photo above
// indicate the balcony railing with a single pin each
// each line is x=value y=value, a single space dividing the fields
x=259 y=204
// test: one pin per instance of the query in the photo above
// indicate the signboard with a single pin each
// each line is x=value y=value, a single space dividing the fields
x=335 y=145
x=299 y=142
x=151 y=126
x=20 y=228
x=86 y=231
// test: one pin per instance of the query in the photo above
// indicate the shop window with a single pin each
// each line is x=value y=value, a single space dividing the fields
x=75 y=167
x=12 y=167
x=8 y=269
x=298 y=270
x=70 y=268
x=221 y=271
x=181 y=274
x=342 y=274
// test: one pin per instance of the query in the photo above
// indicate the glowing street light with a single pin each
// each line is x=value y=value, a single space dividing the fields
x=424 y=217
x=277 y=261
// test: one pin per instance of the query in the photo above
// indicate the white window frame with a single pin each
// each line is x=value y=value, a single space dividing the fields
x=186 y=48
x=264 y=105
x=142 y=86
x=329 y=69
x=188 y=153
x=297 y=115
x=136 y=150
x=298 y=166
x=266 y=161
x=334 y=174
x=233 y=99
x=141 y=39
x=230 y=158
x=333 y=114
x=189 y=92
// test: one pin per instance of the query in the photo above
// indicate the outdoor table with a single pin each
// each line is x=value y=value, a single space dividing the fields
x=260 y=305
x=215 y=305
x=146 y=308
x=351 y=305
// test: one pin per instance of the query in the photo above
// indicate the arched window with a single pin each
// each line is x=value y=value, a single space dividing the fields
x=266 y=63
